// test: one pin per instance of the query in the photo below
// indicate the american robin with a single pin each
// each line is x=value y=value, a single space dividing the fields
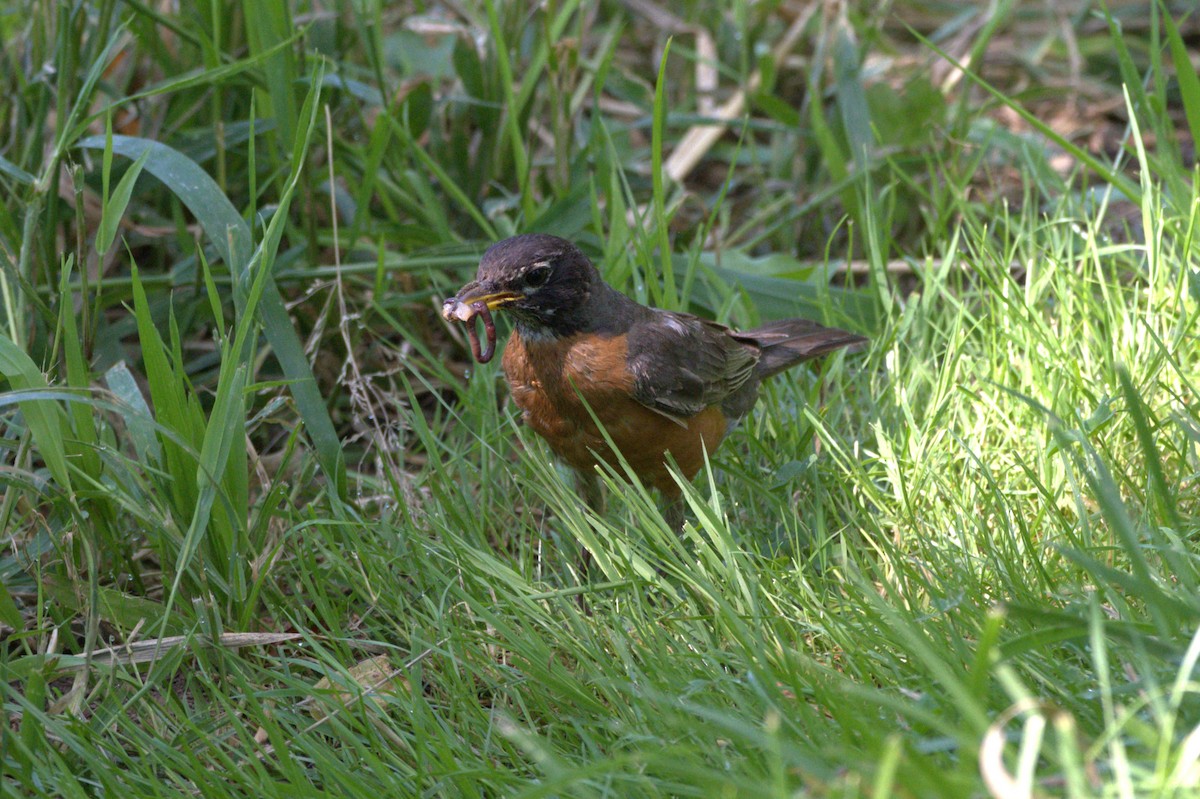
x=662 y=383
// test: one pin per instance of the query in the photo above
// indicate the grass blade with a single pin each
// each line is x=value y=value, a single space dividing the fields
x=44 y=418
x=1185 y=73
x=115 y=205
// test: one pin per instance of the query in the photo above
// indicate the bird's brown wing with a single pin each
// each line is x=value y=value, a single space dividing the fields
x=682 y=364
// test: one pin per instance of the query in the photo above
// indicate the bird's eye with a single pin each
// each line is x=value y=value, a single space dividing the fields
x=537 y=276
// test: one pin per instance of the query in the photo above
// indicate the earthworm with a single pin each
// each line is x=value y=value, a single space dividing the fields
x=489 y=328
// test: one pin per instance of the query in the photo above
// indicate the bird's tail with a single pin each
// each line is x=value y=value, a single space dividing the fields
x=792 y=341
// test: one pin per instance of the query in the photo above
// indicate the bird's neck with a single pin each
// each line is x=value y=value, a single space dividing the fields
x=538 y=333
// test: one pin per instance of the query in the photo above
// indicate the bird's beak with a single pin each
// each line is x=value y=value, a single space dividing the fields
x=459 y=307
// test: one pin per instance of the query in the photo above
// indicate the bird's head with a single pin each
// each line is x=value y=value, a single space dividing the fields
x=542 y=280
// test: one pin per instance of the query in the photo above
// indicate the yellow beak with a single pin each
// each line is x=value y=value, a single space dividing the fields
x=459 y=307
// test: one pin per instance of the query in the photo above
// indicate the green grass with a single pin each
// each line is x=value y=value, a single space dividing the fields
x=244 y=459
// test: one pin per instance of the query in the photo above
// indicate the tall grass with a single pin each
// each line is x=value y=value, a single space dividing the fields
x=266 y=533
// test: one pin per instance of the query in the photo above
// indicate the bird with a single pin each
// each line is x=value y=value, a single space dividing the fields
x=664 y=385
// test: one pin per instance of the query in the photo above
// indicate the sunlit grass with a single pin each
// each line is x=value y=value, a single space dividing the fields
x=960 y=562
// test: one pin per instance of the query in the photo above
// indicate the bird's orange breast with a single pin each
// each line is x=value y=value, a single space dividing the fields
x=554 y=382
